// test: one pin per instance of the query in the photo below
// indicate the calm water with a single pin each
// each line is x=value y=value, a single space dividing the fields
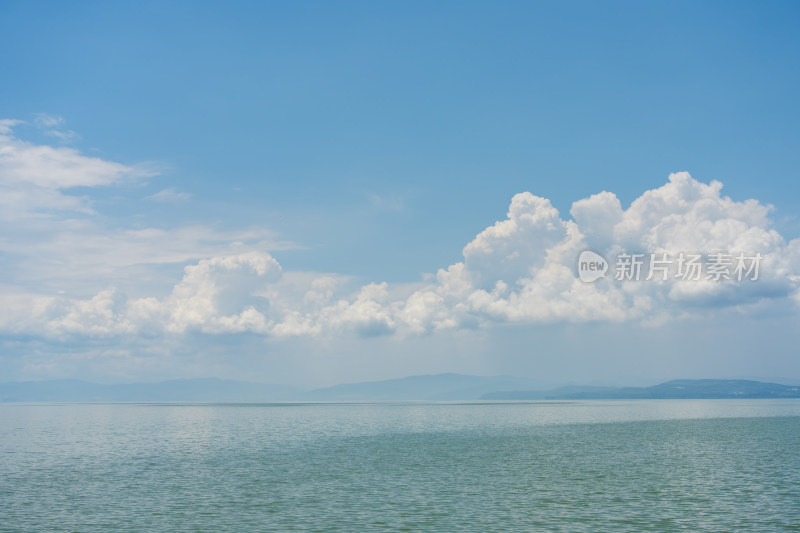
x=580 y=466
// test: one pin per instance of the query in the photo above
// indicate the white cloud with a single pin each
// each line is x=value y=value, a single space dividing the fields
x=509 y=249
x=56 y=168
x=218 y=295
x=683 y=215
x=520 y=269
x=34 y=179
x=52 y=238
x=222 y=295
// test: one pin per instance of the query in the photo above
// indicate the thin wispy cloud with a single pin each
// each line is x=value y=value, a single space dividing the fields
x=170 y=195
x=53 y=126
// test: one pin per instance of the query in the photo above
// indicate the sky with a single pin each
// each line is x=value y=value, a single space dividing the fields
x=312 y=193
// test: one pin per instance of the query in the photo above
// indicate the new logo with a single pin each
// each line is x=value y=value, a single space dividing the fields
x=591 y=266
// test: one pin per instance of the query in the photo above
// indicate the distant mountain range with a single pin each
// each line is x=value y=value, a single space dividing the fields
x=438 y=387
x=179 y=390
x=435 y=387
x=677 y=389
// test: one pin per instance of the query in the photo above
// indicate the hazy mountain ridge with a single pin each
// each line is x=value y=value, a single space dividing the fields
x=677 y=389
x=431 y=387
x=436 y=387
x=179 y=390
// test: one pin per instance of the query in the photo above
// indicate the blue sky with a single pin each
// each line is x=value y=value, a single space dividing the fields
x=369 y=143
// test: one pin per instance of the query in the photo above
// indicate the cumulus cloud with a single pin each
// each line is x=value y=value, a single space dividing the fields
x=217 y=295
x=520 y=269
x=526 y=266
x=222 y=295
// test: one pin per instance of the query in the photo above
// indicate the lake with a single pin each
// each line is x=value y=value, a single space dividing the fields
x=697 y=465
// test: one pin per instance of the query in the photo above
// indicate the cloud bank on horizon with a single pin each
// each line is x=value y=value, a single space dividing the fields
x=519 y=270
